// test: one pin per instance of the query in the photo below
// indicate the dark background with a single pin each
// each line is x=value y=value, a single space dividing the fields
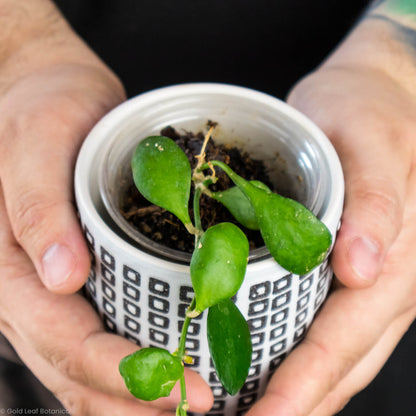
x=262 y=44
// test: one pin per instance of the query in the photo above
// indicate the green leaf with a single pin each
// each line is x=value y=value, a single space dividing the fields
x=162 y=174
x=239 y=205
x=218 y=264
x=230 y=344
x=296 y=239
x=151 y=373
x=294 y=236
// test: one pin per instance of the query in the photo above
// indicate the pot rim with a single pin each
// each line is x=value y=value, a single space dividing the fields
x=107 y=126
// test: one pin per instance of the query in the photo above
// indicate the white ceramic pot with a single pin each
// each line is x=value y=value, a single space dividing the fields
x=141 y=290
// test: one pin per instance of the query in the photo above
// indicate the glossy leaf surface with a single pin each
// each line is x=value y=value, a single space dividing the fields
x=294 y=236
x=239 y=205
x=151 y=373
x=218 y=264
x=230 y=344
x=162 y=174
x=296 y=239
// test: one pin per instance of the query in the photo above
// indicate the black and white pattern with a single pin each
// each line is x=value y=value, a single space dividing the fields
x=148 y=307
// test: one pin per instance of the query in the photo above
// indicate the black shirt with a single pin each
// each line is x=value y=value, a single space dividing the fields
x=263 y=44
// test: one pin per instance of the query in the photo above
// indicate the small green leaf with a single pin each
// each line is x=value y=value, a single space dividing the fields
x=229 y=344
x=162 y=174
x=294 y=236
x=296 y=239
x=218 y=264
x=151 y=373
x=239 y=205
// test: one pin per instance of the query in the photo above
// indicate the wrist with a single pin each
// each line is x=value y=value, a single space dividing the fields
x=22 y=22
x=36 y=37
x=377 y=44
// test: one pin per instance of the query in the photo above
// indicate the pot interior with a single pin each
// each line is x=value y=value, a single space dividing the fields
x=294 y=160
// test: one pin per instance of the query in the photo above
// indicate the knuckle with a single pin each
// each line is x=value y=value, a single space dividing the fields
x=17 y=124
x=337 y=365
x=291 y=406
x=26 y=217
x=65 y=362
x=31 y=212
x=335 y=402
x=76 y=403
x=382 y=203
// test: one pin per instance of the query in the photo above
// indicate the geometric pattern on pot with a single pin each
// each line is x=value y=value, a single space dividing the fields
x=132 y=291
x=149 y=310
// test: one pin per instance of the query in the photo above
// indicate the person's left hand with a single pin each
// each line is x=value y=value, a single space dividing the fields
x=368 y=113
x=352 y=337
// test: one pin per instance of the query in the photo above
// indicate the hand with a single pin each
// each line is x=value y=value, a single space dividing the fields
x=63 y=342
x=52 y=91
x=368 y=114
x=352 y=337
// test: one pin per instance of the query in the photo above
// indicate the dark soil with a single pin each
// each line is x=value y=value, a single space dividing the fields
x=162 y=226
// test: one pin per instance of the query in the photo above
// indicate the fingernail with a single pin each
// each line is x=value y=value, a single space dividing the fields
x=58 y=264
x=365 y=259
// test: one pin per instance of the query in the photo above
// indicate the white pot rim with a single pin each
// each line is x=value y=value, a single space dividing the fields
x=132 y=106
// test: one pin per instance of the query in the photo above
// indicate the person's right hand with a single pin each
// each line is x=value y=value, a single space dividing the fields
x=63 y=342
x=53 y=89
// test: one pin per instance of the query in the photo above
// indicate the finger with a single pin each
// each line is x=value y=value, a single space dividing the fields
x=366 y=369
x=67 y=333
x=372 y=132
x=347 y=328
x=39 y=139
x=78 y=399
x=374 y=203
x=37 y=183
x=92 y=403
x=314 y=368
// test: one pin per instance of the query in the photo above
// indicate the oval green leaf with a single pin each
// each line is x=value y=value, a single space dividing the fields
x=218 y=264
x=296 y=239
x=239 y=205
x=151 y=373
x=162 y=174
x=229 y=343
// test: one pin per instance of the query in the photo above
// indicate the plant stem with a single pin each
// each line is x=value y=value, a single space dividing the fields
x=181 y=353
x=182 y=341
x=197 y=214
x=218 y=163
x=183 y=406
x=238 y=180
x=201 y=182
x=201 y=156
x=199 y=185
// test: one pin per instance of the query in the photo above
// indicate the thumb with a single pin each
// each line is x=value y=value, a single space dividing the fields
x=375 y=154
x=36 y=175
x=375 y=185
x=371 y=222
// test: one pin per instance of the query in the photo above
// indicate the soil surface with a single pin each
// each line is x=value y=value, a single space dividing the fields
x=162 y=226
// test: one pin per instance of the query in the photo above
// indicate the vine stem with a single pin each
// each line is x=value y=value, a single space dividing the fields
x=181 y=353
x=181 y=348
x=200 y=184
x=197 y=215
x=201 y=156
x=238 y=180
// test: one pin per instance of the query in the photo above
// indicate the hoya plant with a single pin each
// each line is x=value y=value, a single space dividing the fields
x=296 y=239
